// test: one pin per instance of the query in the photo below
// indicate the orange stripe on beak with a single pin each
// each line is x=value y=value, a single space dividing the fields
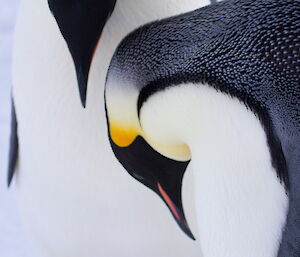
x=168 y=201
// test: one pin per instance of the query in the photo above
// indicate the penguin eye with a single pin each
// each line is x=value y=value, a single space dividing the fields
x=137 y=176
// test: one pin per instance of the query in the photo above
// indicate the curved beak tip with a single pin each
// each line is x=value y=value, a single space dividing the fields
x=185 y=228
x=177 y=211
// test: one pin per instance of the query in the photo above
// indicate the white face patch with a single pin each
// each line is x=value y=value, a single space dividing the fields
x=240 y=203
x=121 y=103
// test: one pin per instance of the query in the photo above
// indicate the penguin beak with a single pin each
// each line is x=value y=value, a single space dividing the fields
x=81 y=23
x=174 y=202
x=159 y=173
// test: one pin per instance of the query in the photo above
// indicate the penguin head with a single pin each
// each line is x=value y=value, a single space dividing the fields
x=160 y=167
x=81 y=23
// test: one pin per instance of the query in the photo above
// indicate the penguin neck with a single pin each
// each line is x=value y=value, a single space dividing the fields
x=137 y=13
x=131 y=14
x=127 y=16
x=154 y=9
x=240 y=203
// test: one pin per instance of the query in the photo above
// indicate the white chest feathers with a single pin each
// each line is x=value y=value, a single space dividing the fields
x=240 y=203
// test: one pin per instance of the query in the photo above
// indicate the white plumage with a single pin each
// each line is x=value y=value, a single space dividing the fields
x=74 y=197
x=240 y=203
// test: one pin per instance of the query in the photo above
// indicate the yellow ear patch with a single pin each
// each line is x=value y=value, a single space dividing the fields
x=123 y=136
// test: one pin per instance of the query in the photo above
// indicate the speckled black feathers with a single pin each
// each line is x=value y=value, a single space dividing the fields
x=247 y=49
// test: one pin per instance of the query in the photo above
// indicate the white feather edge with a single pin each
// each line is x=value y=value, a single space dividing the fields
x=241 y=205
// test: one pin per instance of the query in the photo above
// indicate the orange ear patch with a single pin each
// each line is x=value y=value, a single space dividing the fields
x=122 y=136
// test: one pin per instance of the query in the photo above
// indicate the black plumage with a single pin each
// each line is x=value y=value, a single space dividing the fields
x=247 y=49
x=14 y=145
x=81 y=23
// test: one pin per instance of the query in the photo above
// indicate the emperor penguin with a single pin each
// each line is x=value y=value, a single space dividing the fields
x=216 y=89
x=73 y=196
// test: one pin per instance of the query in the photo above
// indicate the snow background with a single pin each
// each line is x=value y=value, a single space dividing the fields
x=13 y=241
